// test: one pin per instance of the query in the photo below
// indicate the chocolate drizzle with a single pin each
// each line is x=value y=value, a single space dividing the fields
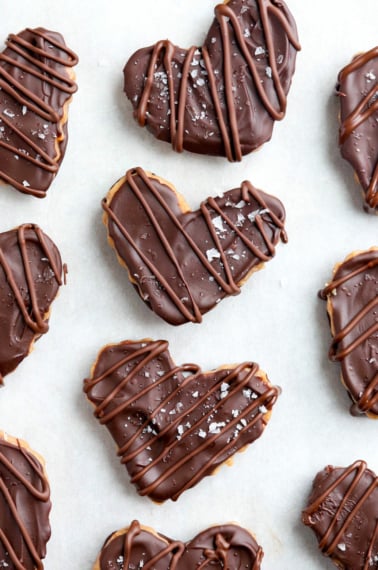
x=343 y=512
x=25 y=508
x=352 y=301
x=221 y=98
x=183 y=263
x=36 y=83
x=175 y=424
x=220 y=547
x=358 y=90
x=30 y=276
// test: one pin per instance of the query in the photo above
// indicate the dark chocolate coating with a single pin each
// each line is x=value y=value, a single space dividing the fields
x=357 y=88
x=174 y=425
x=30 y=276
x=222 y=98
x=220 y=547
x=343 y=513
x=37 y=84
x=24 y=508
x=352 y=305
x=183 y=263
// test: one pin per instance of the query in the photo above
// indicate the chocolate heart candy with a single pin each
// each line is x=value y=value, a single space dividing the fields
x=343 y=513
x=183 y=263
x=24 y=506
x=224 y=97
x=30 y=276
x=174 y=425
x=227 y=546
x=357 y=87
x=37 y=83
x=352 y=301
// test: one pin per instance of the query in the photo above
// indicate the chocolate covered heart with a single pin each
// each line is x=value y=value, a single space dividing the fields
x=183 y=262
x=219 y=547
x=24 y=506
x=352 y=302
x=224 y=97
x=36 y=85
x=30 y=276
x=357 y=88
x=343 y=513
x=174 y=425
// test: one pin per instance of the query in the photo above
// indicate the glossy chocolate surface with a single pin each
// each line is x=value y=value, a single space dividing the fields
x=343 y=513
x=358 y=91
x=36 y=82
x=221 y=98
x=183 y=263
x=352 y=303
x=30 y=276
x=174 y=425
x=227 y=546
x=24 y=508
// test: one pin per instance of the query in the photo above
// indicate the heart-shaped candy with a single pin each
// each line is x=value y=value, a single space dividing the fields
x=226 y=546
x=30 y=276
x=174 y=425
x=24 y=506
x=352 y=303
x=183 y=262
x=36 y=85
x=221 y=98
x=357 y=87
x=343 y=513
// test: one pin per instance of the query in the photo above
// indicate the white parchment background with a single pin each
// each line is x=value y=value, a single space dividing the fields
x=277 y=320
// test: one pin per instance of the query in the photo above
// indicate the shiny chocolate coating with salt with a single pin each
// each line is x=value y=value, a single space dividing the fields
x=221 y=98
x=224 y=546
x=357 y=89
x=183 y=263
x=30 y=277
x=174 y=425
x=342 y=511
x=24 y=508
x=36 y=82
x=352 y=303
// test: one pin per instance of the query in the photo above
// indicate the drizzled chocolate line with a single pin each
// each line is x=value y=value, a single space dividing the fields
x=263 y=218
x=173 y=422
x=225 y=546
x=232 y=32
x=25 y=494
x=357 y=120
x=341 y=498
x=32 y=80
x=352 y=312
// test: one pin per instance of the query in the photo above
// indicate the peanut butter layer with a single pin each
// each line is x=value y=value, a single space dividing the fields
x=174 y=425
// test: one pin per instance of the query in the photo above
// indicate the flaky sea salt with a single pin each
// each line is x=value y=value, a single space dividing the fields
x=259 y=50
x=218 y=223
x=212 y=254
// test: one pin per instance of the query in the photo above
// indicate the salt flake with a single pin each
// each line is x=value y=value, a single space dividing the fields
x=212 y=254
